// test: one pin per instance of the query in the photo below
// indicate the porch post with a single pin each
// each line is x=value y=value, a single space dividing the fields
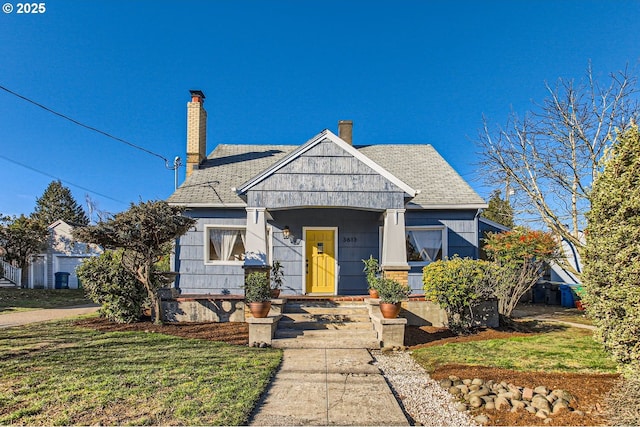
x=394 y=250
x=256 y=239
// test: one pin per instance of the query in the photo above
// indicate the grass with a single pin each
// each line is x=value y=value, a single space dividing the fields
x=12 y=299
x=59 y=374
x=562 y=350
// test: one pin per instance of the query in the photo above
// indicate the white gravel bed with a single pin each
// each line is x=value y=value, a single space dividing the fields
x=422 y=398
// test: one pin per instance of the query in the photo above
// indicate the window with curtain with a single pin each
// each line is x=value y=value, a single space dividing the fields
x=424 y=245
x=226 y=244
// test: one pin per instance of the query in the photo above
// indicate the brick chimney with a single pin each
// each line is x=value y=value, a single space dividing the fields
x=345 y=130
x=196 y=131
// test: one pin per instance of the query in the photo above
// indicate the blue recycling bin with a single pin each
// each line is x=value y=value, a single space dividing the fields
x=62 y=280
x=566 y=296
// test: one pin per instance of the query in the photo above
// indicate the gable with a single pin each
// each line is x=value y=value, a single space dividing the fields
x=326 y=172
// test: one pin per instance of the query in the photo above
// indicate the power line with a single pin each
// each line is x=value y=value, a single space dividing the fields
x=91 y=128
x=61 y=180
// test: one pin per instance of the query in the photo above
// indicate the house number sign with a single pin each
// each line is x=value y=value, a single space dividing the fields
x=349 y=239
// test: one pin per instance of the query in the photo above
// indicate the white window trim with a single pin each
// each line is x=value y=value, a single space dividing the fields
x=207 y=261
x=445 y=242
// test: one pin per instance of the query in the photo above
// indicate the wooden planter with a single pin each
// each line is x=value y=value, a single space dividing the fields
x=259 y=309
x=389 y=310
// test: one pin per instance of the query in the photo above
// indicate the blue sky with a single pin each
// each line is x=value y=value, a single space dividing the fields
x=276 y=72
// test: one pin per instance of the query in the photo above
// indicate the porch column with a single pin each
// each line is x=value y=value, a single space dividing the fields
x=256 y=239
x=394 y=248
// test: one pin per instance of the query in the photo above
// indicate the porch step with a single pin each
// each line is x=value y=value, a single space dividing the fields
x=325 y=324
x=4 y=283
x=326 y=318
x=329 y=339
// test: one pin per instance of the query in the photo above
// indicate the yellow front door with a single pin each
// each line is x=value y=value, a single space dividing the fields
x=320 y=261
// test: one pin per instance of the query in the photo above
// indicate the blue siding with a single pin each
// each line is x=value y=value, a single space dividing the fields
x=196 y=277
x=358 y=237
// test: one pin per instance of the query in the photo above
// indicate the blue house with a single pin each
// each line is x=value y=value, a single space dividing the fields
x=319 y=208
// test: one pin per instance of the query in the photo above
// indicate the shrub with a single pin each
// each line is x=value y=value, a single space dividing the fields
x=257 y=288
x=623 y=402
x=392 y=291
x=456 y=285
x=612 y=253
x=371 y=270
x=520 y=256
x=107 y=283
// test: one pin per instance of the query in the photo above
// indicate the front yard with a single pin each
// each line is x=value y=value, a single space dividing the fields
x=61 y=373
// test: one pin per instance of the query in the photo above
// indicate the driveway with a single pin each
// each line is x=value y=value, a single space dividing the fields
x=24 y=317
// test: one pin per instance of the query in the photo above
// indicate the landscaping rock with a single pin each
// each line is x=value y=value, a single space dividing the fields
x=559 y=405
x=476 y=394
x=482 y=391
x=541 y=390
x=475 y=402
x=502 y=403
x=481 y=419
x=461 y=407
x=445 y=383
x=527 y=393
x=541 y=402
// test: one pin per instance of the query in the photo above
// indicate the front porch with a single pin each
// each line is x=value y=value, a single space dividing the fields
x=300 y=321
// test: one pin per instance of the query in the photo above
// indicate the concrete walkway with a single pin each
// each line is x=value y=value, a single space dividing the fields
x=328 y=387
x=24 y=317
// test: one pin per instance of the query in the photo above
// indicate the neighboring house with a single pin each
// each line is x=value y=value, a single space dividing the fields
x=562 y=275
x=319 y=208
x=63 y=254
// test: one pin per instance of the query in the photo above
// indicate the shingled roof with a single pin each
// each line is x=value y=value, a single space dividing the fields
x=213 y=184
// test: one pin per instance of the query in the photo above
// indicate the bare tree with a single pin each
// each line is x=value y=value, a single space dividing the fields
x=551 y=156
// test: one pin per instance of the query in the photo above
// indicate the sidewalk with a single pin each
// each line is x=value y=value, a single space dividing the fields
x=328 y=387
x=24 y=317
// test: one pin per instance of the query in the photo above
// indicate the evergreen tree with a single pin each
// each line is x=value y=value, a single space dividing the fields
x=612 y=254
x=499 y=210
x=57 y=203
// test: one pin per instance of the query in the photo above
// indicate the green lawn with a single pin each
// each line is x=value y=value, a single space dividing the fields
x=561 y=350
x=12 y=299
x=59 y=374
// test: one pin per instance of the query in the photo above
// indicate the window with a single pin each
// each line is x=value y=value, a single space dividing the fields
x=425 y=244
x=225 y=244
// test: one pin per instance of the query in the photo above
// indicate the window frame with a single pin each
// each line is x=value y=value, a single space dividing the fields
x=444 y=241
x=207 y=247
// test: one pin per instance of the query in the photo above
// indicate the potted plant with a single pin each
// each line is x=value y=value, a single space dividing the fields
x=371 y=270
x=277 y=277
x=257 y=294
x=391 y=293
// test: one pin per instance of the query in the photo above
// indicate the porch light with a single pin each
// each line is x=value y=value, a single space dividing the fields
x=286 y=232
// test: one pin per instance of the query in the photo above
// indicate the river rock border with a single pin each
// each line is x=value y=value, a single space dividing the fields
x=477 y=394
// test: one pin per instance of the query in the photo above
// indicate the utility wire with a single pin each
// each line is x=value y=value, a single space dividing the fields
x=87 y=126
x=61 y=180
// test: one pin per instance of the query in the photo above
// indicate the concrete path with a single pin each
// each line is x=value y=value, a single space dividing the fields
x=24 y=317
x=328 y=387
